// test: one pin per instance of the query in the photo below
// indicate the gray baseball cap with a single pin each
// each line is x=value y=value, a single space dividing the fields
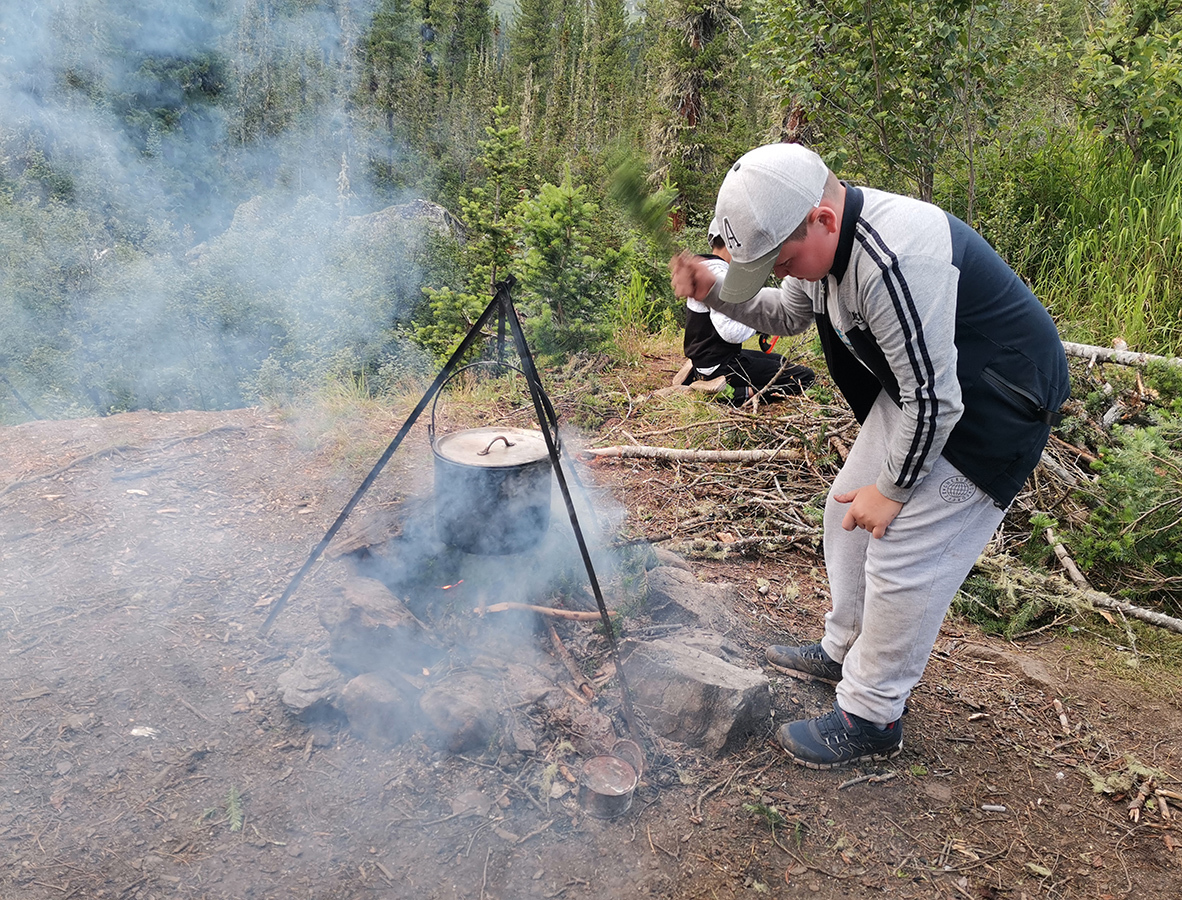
x=763 y=199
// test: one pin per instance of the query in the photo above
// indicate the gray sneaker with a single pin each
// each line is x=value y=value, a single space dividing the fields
x=839 y=738
x=809 y=663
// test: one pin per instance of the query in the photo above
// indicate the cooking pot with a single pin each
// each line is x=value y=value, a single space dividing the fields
x=492 y=488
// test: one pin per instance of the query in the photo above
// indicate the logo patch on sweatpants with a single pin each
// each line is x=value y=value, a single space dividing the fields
x=957 y=489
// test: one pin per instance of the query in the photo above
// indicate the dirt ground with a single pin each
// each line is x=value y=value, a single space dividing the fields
x=145 y=752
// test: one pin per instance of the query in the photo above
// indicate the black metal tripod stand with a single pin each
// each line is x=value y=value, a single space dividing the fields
x=501 y=305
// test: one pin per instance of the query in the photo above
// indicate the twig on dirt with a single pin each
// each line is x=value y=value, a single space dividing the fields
x=484 y=877
x=721 y=784
x=513 y=784
x=421 y=824
x=979 y=861
x=574 y=695
x=654 y=846
x=170 y=775
x=185 y=703
x=874 y=778
x=536 y=832
x=1163 y=807
x=808 y=865
x=1062 y=713
x=56 y=887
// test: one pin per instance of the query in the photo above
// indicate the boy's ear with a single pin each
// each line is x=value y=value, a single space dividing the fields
x=826 y=215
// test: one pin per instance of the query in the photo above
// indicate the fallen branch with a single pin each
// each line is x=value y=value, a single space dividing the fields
x=639 y=451
x=1139 y=801
x=548 y=611
x=1055 y=586
x=1124 y=357
x=571 y=666
x=1068 y=564
x=701 y=545
x=1058 y=471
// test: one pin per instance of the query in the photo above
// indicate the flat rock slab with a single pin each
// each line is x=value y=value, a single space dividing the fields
x=689 y=695
x=675 y=595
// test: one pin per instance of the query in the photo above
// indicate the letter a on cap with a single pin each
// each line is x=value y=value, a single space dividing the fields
x=728 y=234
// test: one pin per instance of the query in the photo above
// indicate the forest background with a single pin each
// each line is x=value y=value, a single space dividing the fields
x=192 y=191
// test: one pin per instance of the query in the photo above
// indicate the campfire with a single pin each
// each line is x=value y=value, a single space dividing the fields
x=474 y=619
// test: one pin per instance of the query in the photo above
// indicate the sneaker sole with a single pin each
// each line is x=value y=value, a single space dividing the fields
x=871 y=757
x=803 y=676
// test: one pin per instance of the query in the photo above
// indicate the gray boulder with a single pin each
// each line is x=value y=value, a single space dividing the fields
x=688 y=694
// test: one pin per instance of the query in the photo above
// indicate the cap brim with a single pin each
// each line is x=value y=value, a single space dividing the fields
x=743 y=280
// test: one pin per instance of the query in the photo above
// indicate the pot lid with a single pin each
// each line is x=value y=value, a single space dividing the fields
x=505 y=446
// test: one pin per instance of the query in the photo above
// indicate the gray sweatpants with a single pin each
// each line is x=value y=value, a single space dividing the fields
x=890 y=595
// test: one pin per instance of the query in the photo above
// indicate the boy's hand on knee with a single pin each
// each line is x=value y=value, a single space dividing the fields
x=869 y=509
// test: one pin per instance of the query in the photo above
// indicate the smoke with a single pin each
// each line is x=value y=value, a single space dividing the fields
x=131 y=135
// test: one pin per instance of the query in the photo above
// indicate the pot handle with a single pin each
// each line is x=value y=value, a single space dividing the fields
x=488 y=449
x=546 y=406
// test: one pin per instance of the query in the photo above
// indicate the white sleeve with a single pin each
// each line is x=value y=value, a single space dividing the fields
x=728 y=329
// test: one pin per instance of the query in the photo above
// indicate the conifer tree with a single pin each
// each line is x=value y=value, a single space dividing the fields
x=390 y=71
x=611 y=85
x=486 y=256
x=568 y=277
x=702 y=122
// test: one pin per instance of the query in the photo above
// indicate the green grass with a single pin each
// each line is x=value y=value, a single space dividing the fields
x=1120 y=274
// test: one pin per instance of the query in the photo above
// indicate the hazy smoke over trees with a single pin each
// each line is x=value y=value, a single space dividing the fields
x=131 y=134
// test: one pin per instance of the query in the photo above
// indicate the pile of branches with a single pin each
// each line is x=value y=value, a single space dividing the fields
x=753 y=480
